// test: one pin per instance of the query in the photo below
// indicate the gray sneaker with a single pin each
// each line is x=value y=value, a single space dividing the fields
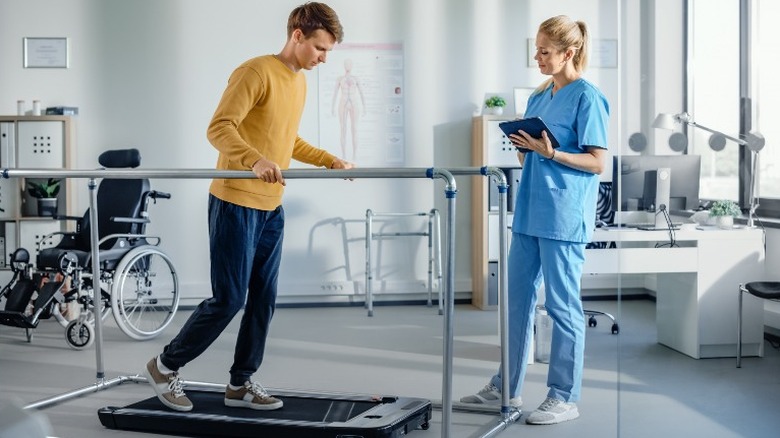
x=490 y=395
x=168 y=387
x=253 y=396
x=553 y=411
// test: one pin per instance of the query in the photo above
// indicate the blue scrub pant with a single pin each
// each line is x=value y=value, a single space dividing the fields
x=560 y=264
x=246 y=249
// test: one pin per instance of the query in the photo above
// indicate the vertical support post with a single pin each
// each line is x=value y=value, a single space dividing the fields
x=739 y=327
x=449 y=307
x=430 y=259
x=369 y=278
x=97 y=298
x=503 y=297
x=752 y=197
x=437 y=228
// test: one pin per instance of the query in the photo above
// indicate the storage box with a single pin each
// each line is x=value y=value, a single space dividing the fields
x=62 y=111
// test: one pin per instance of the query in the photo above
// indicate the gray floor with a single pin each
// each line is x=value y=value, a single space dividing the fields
x=633 y=387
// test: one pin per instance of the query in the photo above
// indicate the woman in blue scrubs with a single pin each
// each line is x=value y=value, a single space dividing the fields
x=555 y=213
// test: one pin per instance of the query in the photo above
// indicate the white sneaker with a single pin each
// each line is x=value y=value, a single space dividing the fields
x=490 y=395
x=553 y=411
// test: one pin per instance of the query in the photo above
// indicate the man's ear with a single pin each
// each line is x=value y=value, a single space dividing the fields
x=297 y=36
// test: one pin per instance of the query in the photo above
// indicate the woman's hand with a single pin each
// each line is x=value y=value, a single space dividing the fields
x=542 y=146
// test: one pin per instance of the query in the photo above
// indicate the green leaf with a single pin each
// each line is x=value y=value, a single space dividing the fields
x=725 y=207
x=46 y=189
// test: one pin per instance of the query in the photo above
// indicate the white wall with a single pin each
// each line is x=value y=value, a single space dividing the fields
x=149 y=73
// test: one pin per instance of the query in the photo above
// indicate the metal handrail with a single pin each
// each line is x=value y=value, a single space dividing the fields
x=508 y=414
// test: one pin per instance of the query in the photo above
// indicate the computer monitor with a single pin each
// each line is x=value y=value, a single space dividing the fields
x=635 y=189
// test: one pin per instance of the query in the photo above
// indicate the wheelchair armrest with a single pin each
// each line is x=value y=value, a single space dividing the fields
x=155 y=194
x=130 y=220
x=61 y=217
x=129 y=236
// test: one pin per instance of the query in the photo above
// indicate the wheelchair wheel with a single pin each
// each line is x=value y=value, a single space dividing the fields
x=80 y=333
x=144 y=293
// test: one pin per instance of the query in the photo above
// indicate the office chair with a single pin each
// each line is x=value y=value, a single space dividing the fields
x=604 y=215
x=768 y=290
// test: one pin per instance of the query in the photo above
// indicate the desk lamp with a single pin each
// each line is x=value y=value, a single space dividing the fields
x=754 y=141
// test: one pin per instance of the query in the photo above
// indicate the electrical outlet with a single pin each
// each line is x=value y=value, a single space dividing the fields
x=335 y=286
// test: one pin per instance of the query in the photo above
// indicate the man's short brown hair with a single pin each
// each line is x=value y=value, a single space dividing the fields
x=312 y=16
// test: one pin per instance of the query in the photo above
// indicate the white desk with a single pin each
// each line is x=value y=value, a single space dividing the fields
x=697 y=284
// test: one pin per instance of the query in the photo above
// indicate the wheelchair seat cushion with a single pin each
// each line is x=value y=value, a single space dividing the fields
x=49 y=258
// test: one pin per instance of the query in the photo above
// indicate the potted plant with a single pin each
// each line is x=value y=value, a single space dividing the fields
x=495 y=105
x=46 y=193
x=724 y=212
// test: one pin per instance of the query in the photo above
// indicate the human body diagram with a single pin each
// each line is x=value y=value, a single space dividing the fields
x=347 y=92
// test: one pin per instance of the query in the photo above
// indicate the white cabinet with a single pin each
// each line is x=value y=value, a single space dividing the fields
x=32 y=142
x=490 y=147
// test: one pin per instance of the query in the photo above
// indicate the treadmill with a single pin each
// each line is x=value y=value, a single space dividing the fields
x=305 y=414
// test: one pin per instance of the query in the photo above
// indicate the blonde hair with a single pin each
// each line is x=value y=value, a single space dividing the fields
x=565 y=33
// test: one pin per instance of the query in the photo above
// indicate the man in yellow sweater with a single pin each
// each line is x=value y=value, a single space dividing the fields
x=254 y=127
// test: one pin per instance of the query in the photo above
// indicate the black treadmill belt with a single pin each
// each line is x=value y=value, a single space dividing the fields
x=295 y=408
x=303 y=415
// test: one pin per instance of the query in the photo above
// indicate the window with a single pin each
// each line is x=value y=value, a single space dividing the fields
x=713 y=92
x=715 y=83
x=767 y=96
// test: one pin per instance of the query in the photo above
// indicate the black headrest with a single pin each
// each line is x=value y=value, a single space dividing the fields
x=120 y=158
x=21 y=255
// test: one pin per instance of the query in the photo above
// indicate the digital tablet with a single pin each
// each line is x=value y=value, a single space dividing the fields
x=533 y=126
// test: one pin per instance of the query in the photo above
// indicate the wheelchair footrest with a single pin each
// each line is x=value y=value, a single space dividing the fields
x=48 y=293
x=17 y=319
x=18 y=298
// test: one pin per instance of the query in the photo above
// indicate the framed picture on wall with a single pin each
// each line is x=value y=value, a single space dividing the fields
x=45 y=52
x=521 y=99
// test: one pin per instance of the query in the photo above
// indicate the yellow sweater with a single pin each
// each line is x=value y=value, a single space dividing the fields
x=258 y=116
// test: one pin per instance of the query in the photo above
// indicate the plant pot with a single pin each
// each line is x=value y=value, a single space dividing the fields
x=496 y=110
x=725 y=222
x=47 y=206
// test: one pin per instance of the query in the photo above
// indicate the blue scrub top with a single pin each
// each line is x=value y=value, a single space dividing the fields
x=555 y=201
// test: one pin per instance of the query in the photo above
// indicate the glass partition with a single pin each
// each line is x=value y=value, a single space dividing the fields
x=677 y=280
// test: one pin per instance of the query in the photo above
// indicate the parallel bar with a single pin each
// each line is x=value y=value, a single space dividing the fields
x=375 y=172
x=450 y=191
x=509 y=415
x=399 y=214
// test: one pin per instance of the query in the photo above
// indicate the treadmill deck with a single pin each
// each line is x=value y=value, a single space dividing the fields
x=303 y=415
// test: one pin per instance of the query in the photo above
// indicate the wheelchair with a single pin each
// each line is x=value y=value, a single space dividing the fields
x=137 y=282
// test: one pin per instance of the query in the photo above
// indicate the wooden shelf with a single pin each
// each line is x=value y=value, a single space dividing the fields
x=33 y=142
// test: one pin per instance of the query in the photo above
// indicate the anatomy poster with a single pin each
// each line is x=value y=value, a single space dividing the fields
x=361 y=95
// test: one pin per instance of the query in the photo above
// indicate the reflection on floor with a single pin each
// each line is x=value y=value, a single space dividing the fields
x=633 y=387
